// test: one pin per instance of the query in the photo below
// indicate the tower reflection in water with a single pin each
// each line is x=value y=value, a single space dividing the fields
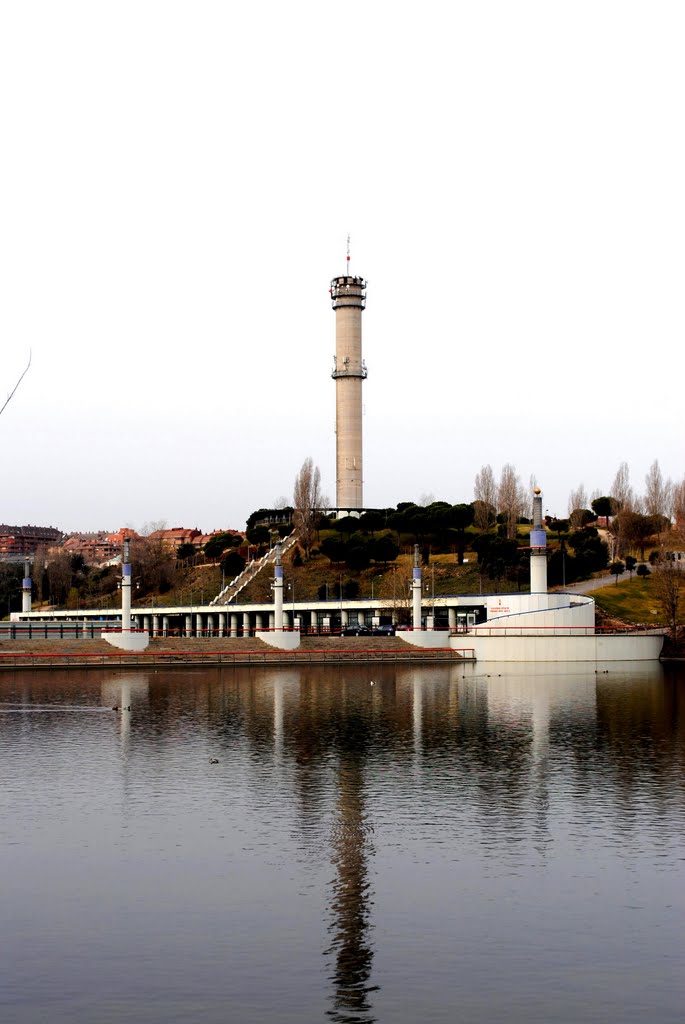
x=472 y=753
x=350 y=902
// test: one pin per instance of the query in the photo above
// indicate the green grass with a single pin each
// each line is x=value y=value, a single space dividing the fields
x=632 y=600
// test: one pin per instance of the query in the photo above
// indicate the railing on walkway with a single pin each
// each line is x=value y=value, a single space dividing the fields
x=267 y=656
x=231 y=590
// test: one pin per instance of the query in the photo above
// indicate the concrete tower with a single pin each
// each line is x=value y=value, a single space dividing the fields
x=538 y=548
x=348 y=295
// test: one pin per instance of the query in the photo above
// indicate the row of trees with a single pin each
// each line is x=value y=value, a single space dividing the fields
x=662 y=498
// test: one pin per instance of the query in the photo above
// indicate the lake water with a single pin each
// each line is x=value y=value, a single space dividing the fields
x=382 y=843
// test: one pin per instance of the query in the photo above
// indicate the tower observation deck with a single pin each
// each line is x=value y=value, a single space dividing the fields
x=348 y=295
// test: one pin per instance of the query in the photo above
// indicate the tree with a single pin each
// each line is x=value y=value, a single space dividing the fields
x=658 y=493
x=668 y=584
x=394 y=589
x=510 y=498
x=357 y=555
x=383 y=549
x=11 y=576
x=678 y=510
x=602 y=506
x=495 y=554
x=577 y=502
x=232 y=565
x=621 y=491
x=592 y=554
x=307 y=501
x=333 y=549
x=59 y=577
x=580 y=517
x=460 y=518
x=185 y=551
x=485 y=499
x=630 y=564
x=217 y=544
x=633 y=529
x=371 y=521
x=153 y=564
x=258 y=535
x=642 y=570
x=617 y=569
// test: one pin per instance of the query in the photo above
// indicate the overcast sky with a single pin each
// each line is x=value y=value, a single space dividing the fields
x=177 y=184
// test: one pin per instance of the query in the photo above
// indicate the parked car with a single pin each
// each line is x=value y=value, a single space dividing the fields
x=388 y=630
x=356 y=631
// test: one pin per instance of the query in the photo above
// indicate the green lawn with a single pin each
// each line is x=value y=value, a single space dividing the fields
x=633 y=600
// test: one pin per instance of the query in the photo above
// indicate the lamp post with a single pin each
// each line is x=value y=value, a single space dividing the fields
x=432 y=593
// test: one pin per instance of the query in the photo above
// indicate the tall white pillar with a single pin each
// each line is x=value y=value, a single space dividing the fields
x=26 y=588
x=246 y=623
x=538 y=548
x=278 y=591
x=416 y=590
x=234 y=624
x=126 y=588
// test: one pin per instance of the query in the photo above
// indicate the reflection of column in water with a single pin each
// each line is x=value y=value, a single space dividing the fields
x=351 y=897
x=417 y=715
x=278 y=717
x=535 y=694
x=123 y=692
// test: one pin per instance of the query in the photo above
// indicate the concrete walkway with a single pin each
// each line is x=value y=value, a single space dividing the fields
x=587 y=586
x=166 y=652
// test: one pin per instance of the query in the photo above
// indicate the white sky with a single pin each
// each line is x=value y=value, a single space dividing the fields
x=177 y=182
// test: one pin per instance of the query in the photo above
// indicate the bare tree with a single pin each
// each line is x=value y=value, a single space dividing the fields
x=154 y=564
x=577 y=502
x=668 y=584
x=395 y=589
x=621 y=491
x=485 y=498
x=307 y=500
x=658 y=493
x=510 y=498
x=153 y=526
x=678 y=511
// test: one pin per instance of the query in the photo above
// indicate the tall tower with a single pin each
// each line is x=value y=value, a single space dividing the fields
x=348 y=295
x=538 y=548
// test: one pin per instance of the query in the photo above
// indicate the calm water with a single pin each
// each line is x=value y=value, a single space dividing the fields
x=439 y=844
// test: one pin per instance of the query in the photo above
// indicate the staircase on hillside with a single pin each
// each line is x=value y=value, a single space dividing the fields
x=230 y=592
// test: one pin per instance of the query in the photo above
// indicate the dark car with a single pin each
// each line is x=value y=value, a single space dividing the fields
x=356 y=631
x=383 y=631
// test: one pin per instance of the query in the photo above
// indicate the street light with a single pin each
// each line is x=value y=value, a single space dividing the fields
x=432 y=591
x=291 y=586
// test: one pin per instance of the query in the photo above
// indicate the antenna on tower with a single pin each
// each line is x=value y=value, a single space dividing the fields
x=347 y=268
